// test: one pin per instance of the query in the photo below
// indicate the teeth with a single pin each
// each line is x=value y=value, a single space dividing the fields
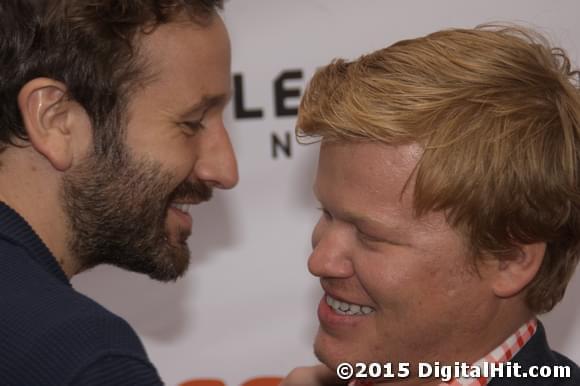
x=182 y=207
x=367 y=310
x=343 y=308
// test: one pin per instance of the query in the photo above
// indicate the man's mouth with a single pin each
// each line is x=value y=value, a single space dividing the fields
x=182 y=207
x=179 y=221
x=351 y=309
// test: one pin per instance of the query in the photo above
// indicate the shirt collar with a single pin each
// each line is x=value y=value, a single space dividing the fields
x=502 y=353
x=15 y=229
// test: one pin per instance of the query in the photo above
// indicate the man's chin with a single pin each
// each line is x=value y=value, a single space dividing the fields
x=333 y=351
x=174 y=266
x=166 y=277
x=327 y=352
x=167 y=265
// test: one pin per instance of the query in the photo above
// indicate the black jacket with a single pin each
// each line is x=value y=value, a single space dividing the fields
x=537 y=353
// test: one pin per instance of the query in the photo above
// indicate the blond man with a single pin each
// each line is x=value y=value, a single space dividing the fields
x=449 y=181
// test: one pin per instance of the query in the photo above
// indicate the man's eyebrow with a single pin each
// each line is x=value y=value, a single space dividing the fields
x=360 y=220
x=207 y=102
x=367 y=221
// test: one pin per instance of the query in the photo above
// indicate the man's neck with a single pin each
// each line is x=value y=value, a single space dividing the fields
x=34 y=192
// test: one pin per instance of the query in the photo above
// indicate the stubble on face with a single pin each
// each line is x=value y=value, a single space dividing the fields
x=117 y=206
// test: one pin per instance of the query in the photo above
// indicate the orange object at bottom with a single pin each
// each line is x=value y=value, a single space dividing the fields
x=263 y=381
x=203 y=382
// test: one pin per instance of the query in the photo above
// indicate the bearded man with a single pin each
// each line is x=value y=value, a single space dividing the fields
x=110 y=127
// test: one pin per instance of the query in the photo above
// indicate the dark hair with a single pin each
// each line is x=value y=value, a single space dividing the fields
x=89 y=45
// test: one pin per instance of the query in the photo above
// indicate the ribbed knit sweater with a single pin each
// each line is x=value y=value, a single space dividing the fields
x=49 y=333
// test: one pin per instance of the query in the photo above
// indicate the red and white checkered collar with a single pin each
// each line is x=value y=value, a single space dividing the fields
x=502 y=353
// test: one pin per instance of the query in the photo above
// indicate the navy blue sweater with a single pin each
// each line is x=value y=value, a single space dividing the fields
x=49 y=333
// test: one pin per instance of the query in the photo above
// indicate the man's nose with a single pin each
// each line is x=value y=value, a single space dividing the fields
x=331 y=256
x=216 y=164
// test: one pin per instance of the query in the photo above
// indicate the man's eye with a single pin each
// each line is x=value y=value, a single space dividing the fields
x=370 y=240
x=193 y=126
x=367 y=238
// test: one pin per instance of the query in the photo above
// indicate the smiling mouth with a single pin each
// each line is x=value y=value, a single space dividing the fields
x=184 y=207
x=350 y=309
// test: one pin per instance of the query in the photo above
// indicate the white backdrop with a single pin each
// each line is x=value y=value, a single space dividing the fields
x=247 y=308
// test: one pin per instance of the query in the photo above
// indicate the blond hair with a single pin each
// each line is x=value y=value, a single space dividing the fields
x=497 y=111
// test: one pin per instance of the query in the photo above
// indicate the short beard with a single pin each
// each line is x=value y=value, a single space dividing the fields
x=117 y=207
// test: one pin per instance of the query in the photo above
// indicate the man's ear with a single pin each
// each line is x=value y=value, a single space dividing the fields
x=50 y=120
x=512 y=275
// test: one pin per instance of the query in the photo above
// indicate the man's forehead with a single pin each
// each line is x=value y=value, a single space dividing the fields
x=184 y=41
x=404 y=152
x=188 y=66
x=362 y=178
x=372 y=164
